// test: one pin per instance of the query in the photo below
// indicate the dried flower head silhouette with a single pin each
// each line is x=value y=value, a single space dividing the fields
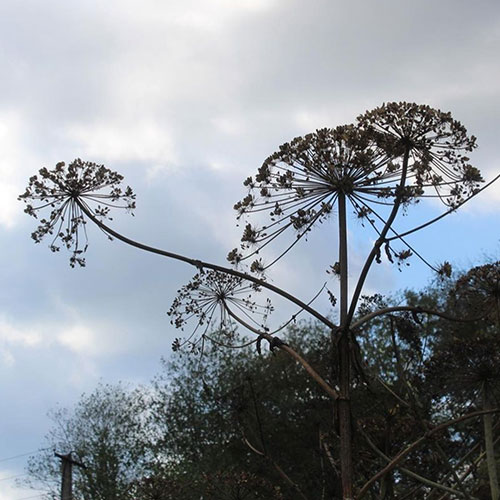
x=398 y=152
x=59 y=190
x=211 y=292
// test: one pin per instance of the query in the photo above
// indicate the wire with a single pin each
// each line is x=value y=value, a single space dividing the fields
x=23 y=454
x=40 y=495
x=12 y=477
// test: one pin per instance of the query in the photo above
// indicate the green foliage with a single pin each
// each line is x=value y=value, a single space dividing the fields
x=106 y=432
x=208 y=406
x=223 y=423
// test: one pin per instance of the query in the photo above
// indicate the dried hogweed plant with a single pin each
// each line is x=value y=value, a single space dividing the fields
x=390 y=159
x=58 y=190
x=437 y=146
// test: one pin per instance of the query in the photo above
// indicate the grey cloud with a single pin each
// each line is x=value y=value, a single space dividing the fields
x=225 y=96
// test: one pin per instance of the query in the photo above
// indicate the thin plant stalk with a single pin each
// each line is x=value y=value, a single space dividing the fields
x=380 y=241
x=202 y=264
x=344 y=403
x=413 y=446
x=475 y=463
x=408 y=472
x=294 y=354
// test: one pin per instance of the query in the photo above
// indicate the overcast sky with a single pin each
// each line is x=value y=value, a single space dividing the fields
x=186 y=99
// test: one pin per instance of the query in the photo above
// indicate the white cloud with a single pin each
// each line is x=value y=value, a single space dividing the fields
x=85 y=339
x=91 y=339
x=114 y=141
x=312 y=118
x=231 y=125
x=489 y=199
x=79 y=339
x=22 y=335
x=13 y=336
x=14 y=162
x=196 y=14
x=9 y=206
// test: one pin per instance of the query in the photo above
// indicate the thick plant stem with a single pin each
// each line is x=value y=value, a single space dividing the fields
x=294 y=354
x=344 y=403
x=199 y=264
x=489 y=446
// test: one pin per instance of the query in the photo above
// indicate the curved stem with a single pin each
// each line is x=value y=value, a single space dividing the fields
x=202 y=264
x=448 y=212
x=284 y=347
x=408 y=472
x=380 y=241
x=403 y=453
x=413 y=309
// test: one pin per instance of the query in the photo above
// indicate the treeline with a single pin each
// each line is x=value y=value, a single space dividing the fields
x=228 y=422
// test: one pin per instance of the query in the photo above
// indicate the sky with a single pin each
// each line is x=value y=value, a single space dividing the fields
x=186 y=99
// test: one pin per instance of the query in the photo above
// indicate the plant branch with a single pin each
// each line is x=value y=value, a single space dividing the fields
x=294 y=354
x=202 y=264
x=408 y=472
x=413 y=309
x=380 y=241
x=448 y=212
x=416 y=405
x=403 y=453
x=475 y=463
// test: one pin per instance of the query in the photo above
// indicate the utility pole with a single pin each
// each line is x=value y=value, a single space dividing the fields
x=67 y=463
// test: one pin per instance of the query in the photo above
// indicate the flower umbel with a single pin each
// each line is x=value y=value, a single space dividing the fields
x=398 y=153
x=438 y=146
x=211 y=292
x=300 y=184
x=63 y=191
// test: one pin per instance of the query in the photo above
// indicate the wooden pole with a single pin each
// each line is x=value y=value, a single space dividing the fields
x=67 y=463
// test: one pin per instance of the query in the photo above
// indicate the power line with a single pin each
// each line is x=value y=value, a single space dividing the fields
x=13 y=477
x=23 y=454
x=40 y=495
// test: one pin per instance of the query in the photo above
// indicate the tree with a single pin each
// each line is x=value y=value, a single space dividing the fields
x=465 y=369
x=106 y=432
x=390 y=159
x=235 y=411
x=238 y=424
